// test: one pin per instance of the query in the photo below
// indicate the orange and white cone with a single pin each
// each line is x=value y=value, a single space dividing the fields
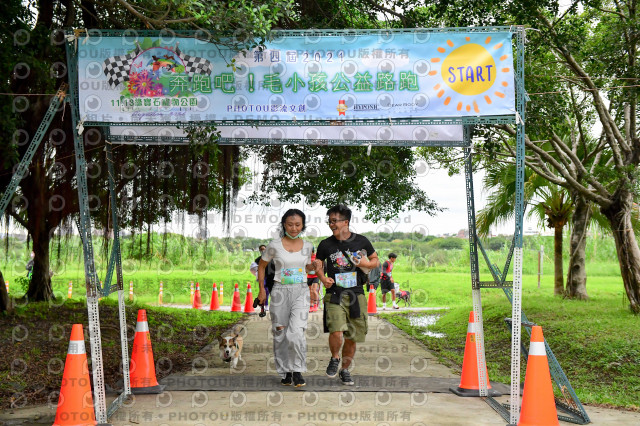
x=469 y=382
x=131 y=291
x=248 y=303
x=75 y=404
x=236 y=305
x=160 y=294
x=215 y=305
x=197 y=300
x=142 y=368
x=221 y=294
x=70 y=291
x=372 y=308
x=538 y=403
x=192 y=292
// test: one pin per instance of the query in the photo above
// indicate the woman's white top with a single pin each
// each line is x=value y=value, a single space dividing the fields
x=290 y=267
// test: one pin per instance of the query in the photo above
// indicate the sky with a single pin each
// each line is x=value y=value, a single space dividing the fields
x=448 y=191
x=262 y=222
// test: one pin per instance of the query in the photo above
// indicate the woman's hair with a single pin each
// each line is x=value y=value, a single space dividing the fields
x=289 y=213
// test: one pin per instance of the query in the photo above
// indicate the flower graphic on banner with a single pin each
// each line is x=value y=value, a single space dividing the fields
x=143 y=84
x=151 y=70
x=472 y=71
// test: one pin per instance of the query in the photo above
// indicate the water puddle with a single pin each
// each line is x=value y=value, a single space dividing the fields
x=426 y=321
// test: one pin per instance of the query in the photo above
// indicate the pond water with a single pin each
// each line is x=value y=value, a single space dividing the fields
x=426 y=321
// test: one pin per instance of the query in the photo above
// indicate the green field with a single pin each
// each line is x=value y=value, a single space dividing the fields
x=435 y=269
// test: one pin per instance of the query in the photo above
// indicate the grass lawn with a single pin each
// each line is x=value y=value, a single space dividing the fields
x=596 y=342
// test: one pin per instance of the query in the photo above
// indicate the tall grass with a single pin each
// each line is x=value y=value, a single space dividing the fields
x=177 y=260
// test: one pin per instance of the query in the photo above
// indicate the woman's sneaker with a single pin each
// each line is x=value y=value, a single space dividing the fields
x=345 y=376
x=287 y=380
x=332 y=369
x=298 y=381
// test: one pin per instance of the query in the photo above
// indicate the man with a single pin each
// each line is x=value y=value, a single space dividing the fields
x=387 y=284
x=345 y=305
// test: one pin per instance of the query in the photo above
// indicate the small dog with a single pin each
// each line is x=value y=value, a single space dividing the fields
x=231 y=346
x=405 y=296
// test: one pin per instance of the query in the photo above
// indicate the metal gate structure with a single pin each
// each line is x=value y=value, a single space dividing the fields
x=466 y=122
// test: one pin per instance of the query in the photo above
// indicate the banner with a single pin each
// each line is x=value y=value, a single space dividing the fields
x=415 y=135
x=384 y=76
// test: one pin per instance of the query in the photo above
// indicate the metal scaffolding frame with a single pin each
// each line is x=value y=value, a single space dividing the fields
x=513 y=290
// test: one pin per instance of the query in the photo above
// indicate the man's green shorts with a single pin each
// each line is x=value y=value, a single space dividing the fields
x=338 y=318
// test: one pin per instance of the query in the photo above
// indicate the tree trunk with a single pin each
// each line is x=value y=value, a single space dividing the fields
x=619 y=216
x=148 y=241
x=5 y=302
x=558 y=284
x=40 y=284
x=577 y=274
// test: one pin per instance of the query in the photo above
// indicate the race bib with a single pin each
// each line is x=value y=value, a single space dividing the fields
x=292 y=276
x=346 y=280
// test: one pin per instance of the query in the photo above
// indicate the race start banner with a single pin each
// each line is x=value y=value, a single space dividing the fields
x=296 y=77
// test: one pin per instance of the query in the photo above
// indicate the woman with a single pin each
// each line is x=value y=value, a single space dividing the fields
x=290 y=296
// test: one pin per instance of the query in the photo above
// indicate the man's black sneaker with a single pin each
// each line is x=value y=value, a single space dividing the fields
x=287 y=380
x=298 y=381
x=332 y=369
x=345 y=376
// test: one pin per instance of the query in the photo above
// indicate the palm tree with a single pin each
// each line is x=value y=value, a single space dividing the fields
x=549 y=203
x=554 y=208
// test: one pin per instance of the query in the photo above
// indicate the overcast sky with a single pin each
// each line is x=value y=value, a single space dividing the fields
x=448 y=191
x=262 y=222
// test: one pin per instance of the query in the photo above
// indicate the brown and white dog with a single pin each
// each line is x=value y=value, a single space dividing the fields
x=231 y=346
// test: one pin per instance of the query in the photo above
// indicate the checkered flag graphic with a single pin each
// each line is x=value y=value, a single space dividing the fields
x=117 y=68
x=193 y=64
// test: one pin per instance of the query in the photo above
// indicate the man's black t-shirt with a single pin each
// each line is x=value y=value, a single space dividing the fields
x=335 y=253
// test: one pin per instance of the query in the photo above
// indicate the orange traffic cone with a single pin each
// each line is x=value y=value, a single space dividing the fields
x=215 y=303
x=197 y=299
x=236 y=305
x=372 y=308
x=221 y=294
x=469 y=383
x=538 y=404
x=248 y=303
x=143 y=370
x=192 y=292
x=75 y=404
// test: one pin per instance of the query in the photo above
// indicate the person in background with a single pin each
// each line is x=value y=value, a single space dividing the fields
x=312 y=282
x=29 y=266
x=289 y=297
x=387 y=284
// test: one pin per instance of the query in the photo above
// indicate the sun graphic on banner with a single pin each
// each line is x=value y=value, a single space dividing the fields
x=470 y=70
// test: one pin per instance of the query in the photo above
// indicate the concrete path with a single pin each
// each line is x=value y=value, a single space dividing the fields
x=397 y=382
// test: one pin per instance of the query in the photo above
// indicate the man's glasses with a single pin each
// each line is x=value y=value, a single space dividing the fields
x=334 y=221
